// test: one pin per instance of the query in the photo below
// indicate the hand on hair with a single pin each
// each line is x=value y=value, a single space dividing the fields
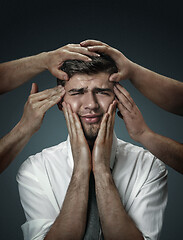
x=123 y=64
x=54 y=59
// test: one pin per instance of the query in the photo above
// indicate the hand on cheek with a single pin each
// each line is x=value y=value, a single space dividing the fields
x=103 y=144
x=80 y=149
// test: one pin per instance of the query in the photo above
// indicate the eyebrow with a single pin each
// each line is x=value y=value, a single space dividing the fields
x=78 y=90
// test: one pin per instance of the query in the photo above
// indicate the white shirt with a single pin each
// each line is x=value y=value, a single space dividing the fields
x=140 y=178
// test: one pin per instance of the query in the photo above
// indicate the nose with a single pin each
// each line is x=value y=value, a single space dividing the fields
x=90 y=101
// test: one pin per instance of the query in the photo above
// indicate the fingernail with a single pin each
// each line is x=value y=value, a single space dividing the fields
x=65 y=77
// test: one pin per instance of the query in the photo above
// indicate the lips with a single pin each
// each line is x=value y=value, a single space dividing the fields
x=91 y=118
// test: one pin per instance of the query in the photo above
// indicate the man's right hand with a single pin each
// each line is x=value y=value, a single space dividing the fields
x=80 y=149
x=37 y=105
x=54 y=59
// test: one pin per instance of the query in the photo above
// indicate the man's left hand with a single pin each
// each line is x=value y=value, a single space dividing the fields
x=103 y=143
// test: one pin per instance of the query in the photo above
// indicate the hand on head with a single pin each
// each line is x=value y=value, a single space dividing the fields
x=123 y=64
x=37 y=105
x=130 y=113
x=55 y=59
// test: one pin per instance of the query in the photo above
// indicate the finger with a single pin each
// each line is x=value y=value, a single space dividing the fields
x=103 y=127
x=78 y=125
x=125 y=92
x=77 y=56
x=111 y=120
x=123 y=99
x=48 y=93
x=59 y=74
x=72 y=122
x=48 y=103
x=115 y=77
x=67 y=118
x=34 y=88
x=123 y=110
x=101 y=49
x=82 y=50
x=91 y=42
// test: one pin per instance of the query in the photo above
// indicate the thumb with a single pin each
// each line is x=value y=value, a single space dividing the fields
x=34 y=88
x=115 y=77
x=60 y=74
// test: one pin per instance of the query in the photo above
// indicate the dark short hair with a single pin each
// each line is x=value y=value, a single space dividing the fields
x=102 y=63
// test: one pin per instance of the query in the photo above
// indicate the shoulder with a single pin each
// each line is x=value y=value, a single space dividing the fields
x=41 y=160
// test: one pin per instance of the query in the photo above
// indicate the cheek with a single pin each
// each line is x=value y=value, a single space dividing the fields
x=105 y=103
x=75 y=104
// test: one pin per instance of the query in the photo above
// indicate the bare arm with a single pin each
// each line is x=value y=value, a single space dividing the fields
x=116 y=224
x=71 y=222
x=17 y=72
x=167 y=93
x=34 y=110
x=166 y=149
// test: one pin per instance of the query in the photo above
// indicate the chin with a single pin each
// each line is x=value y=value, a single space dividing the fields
x=91 y=131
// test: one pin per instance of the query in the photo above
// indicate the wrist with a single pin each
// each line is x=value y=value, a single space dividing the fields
x=101 y=168
x=82 y=168
x=24 y=129
x=81 y=173
x=134 y=70
x=43 y=60
x=146 y=137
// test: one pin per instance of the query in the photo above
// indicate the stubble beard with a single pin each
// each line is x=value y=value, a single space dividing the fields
x=90 y=131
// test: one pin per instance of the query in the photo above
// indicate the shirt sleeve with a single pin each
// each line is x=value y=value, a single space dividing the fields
x=149 y=204
x=38 y=207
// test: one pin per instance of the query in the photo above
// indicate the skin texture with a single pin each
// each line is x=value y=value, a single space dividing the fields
x=91 y=142
x=15 y=73
x=34 y=111
x=165 y=92
x=166 y=149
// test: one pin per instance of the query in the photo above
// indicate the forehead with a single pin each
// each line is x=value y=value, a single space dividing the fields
x=99 y=80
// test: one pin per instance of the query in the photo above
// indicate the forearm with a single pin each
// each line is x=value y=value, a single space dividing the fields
x=12 y=143
x=166 y=149
x=163 y=91
x=17 y=72
x=116 y=224
x=70 y=223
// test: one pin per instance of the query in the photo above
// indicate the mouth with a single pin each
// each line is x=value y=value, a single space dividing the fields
x=91 y=118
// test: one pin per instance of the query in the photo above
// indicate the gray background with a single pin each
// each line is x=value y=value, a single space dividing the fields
x=147 y=32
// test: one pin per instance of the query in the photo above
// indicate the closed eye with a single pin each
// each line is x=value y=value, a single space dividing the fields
x=103 y=93
x=77 y=93
x=73 y=92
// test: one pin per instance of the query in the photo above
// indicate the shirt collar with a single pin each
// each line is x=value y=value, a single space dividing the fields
x=113 y=152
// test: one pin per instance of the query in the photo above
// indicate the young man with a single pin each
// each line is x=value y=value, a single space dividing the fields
x=56 y=185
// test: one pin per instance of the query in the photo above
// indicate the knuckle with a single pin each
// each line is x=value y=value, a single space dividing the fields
x=30 y=100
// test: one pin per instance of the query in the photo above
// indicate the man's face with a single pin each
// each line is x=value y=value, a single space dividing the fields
x=89 y=96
